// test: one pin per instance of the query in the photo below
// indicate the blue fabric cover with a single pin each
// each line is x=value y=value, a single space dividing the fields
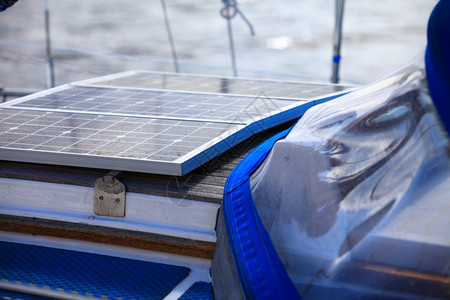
x=260 y=269
x=437 y=59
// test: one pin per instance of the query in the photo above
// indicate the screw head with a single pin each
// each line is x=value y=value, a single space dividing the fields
x=100 y=197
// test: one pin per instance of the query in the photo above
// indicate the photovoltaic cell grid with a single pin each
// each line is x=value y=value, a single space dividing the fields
x=202 y=84
x=167 y=104
x=132 y=129
x=53 y=133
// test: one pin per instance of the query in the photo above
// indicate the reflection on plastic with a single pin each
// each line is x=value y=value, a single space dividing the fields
x=359 y=189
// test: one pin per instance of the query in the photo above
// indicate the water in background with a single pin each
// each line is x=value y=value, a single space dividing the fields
x=293 y=38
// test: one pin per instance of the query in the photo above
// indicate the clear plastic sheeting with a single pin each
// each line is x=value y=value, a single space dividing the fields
x=356 y=198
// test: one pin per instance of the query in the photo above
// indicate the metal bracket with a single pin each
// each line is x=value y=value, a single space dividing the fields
x=109 y=196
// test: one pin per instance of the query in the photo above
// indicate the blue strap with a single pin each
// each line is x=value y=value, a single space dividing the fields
x=261 y=271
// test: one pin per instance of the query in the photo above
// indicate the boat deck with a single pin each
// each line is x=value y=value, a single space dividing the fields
x=31 y=269
x=171 y=140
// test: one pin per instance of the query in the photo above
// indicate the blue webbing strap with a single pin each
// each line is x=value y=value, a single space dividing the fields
x=261 y=271
x=437 y=59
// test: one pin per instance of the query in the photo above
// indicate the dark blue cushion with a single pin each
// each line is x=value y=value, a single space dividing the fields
x=437 y=59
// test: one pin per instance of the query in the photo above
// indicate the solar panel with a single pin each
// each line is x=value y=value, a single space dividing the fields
x=155 y=103
x=203 y=84
x=137 y=129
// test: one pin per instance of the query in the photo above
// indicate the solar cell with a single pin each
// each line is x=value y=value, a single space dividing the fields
x=135 y=129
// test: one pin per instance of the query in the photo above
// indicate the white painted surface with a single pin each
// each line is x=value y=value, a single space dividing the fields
x=147 y=213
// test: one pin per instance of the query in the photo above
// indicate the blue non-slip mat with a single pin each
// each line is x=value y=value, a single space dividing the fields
x=199 y=291
x=87 y=274
x=4 y=294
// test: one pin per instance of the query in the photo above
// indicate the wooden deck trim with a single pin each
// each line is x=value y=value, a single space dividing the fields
x=107 y=235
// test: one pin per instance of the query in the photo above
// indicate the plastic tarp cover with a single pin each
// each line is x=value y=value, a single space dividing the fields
x=355 y=197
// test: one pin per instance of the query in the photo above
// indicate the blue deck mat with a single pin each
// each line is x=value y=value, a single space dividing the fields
x=87 y=274
x=14 y=295
x=199 y=291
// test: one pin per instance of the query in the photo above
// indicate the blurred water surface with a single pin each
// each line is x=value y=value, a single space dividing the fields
x=293 y=38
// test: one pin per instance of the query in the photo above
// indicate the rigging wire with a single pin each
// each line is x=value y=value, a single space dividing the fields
x=50 y=64
x=169 y=34
x=337 y=40
x=231 y=41
x=229 y=11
